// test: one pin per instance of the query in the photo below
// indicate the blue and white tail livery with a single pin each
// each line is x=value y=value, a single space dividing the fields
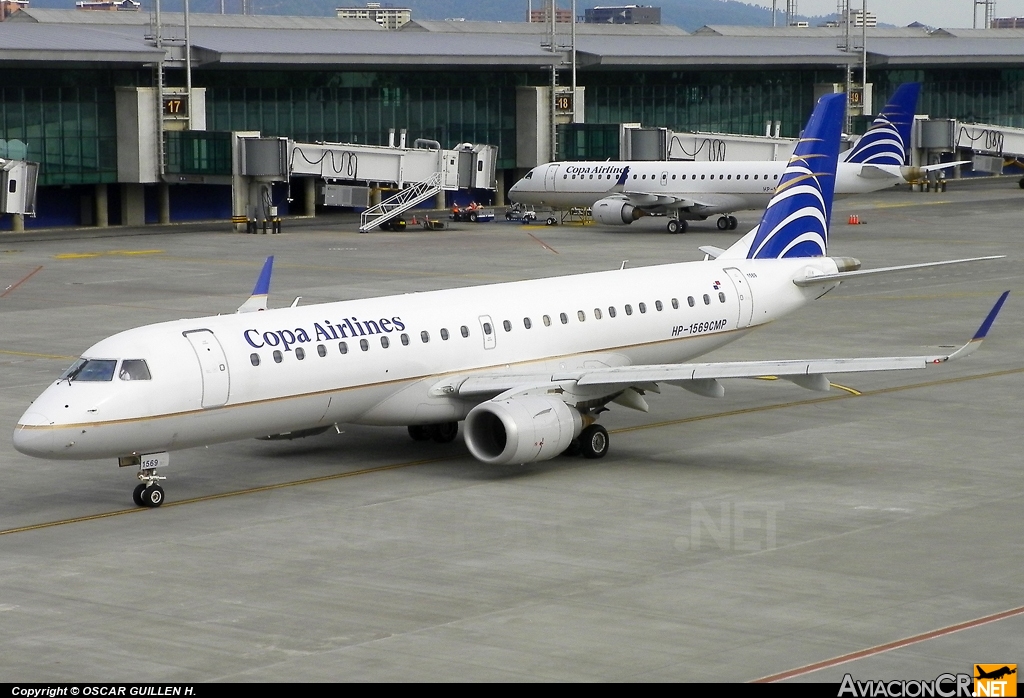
x=887 y=140
x=795 y=224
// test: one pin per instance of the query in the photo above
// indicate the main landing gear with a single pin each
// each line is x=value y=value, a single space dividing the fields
x=727 y=223
x=441 y=433
x=149 y=493
x=676 y=226
x=591 y=443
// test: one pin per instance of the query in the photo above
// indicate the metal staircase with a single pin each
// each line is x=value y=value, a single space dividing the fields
x=398 y=204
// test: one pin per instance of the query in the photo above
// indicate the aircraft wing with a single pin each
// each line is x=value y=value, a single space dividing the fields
x=701 y=378
x=704 y=200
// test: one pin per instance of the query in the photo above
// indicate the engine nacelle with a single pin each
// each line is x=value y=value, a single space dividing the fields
x=615 y=211
x=521 y=429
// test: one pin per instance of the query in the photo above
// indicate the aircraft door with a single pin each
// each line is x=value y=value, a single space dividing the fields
x=664 y=179
x=743 y=293
x=213 y=365
x=550 y=177
x=487 y=327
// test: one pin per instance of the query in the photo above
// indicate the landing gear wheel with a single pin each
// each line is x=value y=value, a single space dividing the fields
x=137 y=495
x=676 y=226
x=733 y=223
x=723 y=223
x=153 y=496
x=573 y=448
x=594 y=441
x=551 y=221
x=446 y=432
x=420 y=432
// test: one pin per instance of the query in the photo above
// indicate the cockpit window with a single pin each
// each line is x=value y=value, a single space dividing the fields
x=134 y=370
x=528 y=175
x=91 y=370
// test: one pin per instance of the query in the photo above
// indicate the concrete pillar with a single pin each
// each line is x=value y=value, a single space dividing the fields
x=439 y=201
x=17 y=222
x=133 y=204
x=102 y=213
x=164 y=198
x=374 y=196
x=309 y=195
x=499 y=188
x=239 y=203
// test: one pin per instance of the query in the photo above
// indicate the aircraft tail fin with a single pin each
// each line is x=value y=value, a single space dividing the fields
x=887 y=140
x=795 y=224
x=258 y=299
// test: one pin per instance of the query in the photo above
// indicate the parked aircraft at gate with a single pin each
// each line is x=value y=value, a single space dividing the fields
x=528 y=365
x=619 y=193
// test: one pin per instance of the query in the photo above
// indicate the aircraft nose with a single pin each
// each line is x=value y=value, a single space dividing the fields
x=32 y=437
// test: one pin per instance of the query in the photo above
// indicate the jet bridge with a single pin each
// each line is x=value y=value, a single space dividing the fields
x=352 y=172
x=18 y=180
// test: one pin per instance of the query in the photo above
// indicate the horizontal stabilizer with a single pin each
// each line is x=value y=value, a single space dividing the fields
x=880 y=172
x=852 y=275
x=258 y=299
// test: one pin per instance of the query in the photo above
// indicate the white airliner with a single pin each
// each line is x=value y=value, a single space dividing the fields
x=619 y=193
x=528 y=365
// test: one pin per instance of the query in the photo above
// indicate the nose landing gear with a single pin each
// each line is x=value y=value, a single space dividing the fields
x=149 y=493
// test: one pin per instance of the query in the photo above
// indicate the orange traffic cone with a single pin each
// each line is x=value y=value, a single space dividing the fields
x=854 y=219
x=413 y=221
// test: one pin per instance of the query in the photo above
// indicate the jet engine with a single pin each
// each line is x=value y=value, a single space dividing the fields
x=521 y=429
x=615 y=211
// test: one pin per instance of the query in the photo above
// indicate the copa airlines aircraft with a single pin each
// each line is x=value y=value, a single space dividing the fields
x=619 y=193
x=528 y=365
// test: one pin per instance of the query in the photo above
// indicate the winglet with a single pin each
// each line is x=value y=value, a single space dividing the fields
x=258 y=299
x=982 y=332
x=621 y=181
x=987 y=325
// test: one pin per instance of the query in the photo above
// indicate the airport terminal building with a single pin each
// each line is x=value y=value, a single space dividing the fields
x=70 y=81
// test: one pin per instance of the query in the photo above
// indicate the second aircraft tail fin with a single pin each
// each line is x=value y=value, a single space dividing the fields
x=887 y=140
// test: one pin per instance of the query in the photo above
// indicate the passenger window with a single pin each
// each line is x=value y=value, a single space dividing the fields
x=702 y=176
x=675 y=304
x=254 y=359
x=487 y=329
x=135 y=370
x=321 y=350
x=405 y=339
x=364 y=345
x=721 y=297
x=611 y=311
x=444 y=334
x=563 y=317
x=527 y=323
x=582 y=316
x=629 y=309
x=658 y=306
x=278 y=357
x=746 y=176
x=424 y=336
x=385 y=342
x=643 y=307
x=300 y=353
x=343 y=347
x=465 y=331
x=689 y=299
x=597 y=313
x=707 y=299
x=547 y=318
x=507 y=325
